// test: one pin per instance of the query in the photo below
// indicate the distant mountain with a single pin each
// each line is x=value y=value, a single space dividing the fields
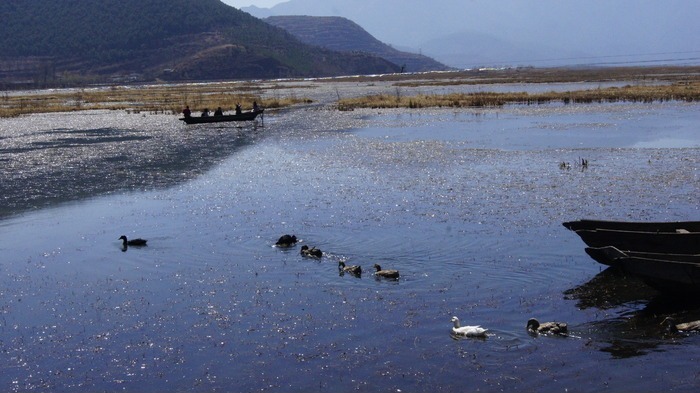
x=468 y=49
x=463 y=33
x=58 y=42
x=343 y=35
x=259 y=12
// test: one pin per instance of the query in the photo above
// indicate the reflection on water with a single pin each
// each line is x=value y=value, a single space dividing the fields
x=633 y=313
x=44 y=164
x=668 y=143
x=609 y=289
x=555 y=126
x=473 y=223
x=636 y=333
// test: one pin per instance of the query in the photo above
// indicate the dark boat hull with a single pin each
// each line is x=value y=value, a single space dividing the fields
x=609 y=255
x=666 y=256
x=658 y=242
x=690 y=226
x=666 y=276
x=245 y=116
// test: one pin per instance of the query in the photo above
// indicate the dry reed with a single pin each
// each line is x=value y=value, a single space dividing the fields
x=154 y=98
x=682 y=91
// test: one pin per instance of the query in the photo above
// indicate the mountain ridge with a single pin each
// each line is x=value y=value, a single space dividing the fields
x=56 y=43
x=343 y=35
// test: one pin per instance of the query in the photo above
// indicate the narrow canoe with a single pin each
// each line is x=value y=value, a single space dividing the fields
x=609 y=255
x=656 y=242
x=244 y=116
x=671 y=226
x=667 y=276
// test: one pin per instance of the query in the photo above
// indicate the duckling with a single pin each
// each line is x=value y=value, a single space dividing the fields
x=354 y=269
x=670 y=323
x=467 y=331
x=534 y=326
x=132 y=242
x=311 y=252
x=385 y=273
x=286 y=241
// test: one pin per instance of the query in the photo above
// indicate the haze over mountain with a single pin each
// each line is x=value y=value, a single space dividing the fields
x=468 y=33
x=343 y=35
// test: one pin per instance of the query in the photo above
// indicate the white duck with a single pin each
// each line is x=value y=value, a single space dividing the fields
x=467 y=331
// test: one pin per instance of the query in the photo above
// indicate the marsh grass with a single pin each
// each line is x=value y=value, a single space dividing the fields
x=153 y=98
x=533 y=75
x=649 y=84
x=680 y=91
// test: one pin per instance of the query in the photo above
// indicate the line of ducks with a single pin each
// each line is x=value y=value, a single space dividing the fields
x=533 y=325
x=561 y=329
x=286 y=241
x=289 y=241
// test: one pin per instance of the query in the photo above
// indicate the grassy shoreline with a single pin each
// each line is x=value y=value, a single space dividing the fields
x=689 y=92
x=647 y=84
x=152 y=98
x=536 y=75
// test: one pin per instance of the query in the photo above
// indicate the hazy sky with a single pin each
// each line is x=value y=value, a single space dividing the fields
x=258 y=3
x=520 y=31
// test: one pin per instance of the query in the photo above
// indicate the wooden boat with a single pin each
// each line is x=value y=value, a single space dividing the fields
x=665 y=255
x=671 y=226
x=664 y=275
x=657 y=242
x=244 y=116
x=609 y=255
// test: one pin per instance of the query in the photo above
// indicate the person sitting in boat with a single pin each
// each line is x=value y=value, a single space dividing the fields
x=218 y=112
x=187 y=112
x=238 y=109
x=205 y=112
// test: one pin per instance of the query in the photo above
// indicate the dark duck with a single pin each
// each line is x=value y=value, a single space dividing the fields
x=311 y=252
x=386 y=273
x=355 y=270
x=534 y=326
x=286 y=241
x=132 y=242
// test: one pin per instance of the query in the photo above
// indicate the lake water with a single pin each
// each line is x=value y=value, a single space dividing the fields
x=467 y=204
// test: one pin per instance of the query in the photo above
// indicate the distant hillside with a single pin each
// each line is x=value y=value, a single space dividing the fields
x=541 y=33
x=344 y=35
x=56 y=42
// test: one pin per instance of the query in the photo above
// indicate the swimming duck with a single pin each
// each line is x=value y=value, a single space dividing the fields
x=467 y=331
x=385 y=273
x=670 y=323
x=354 y=269
x=132 y=242
x=311 y=252
x=286 y=241
x=534 y=326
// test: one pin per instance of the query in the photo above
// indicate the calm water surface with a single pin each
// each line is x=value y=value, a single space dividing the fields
x=467 y=204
